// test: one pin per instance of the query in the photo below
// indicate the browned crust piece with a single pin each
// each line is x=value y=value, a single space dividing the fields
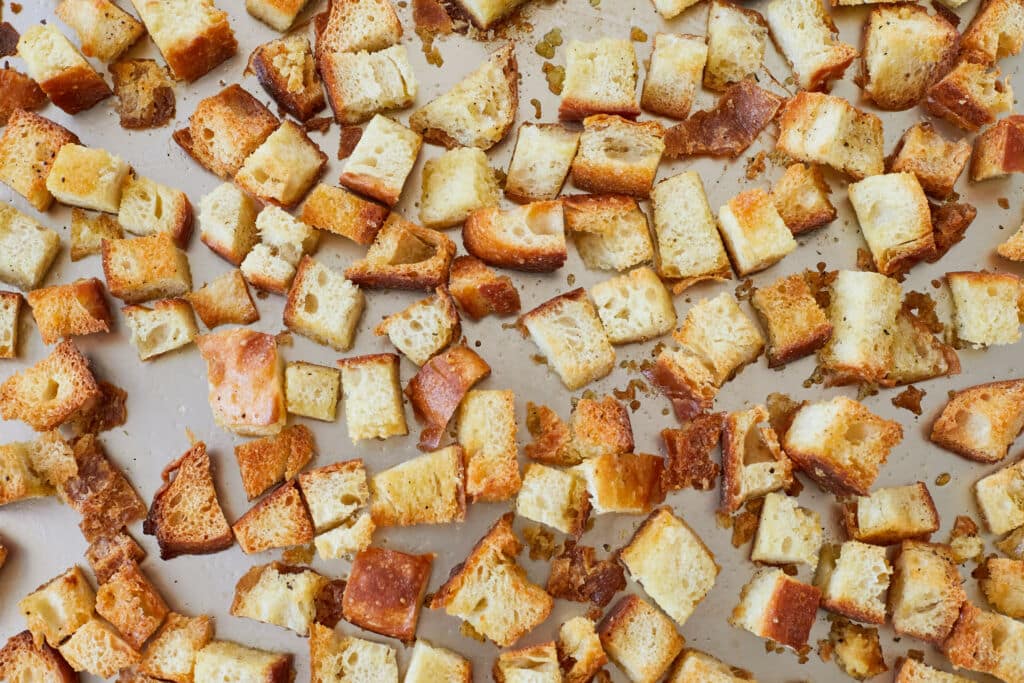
x=479 y=239
x=796 y=324
x=793 y=215
x=948 y=100
x=132 y=604
x=480 y=291
x=848 y=511
x=145 y=93
x=593 y=175
x=970 y=643
x=933 y=173
x=947 y=431
x=22 y=660
x=499 y=538
x=18 y=91
x=106 y=554
x=100 y=492
x=74 y=309
x=431 y=17
x=437 y=389
x=949 y=225
x=790 y=615
x=385 y=590
x=344 y=213
x=999 y=150
x=688 y=399
x=430 y=272
x=301 y=104
x=728 y=128
x=28 y=147
x=109 y=411
x=688 y=461
x=577 y=575
x=44 y=415
x=76 y=89
x=255 y=535
x=833 y=478
x=9 y=37
x=992 y=33
x=202 y=53
x=266 y=461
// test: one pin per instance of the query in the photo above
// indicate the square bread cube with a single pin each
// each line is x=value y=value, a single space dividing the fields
x=350 y=537
x=895 y=219
x=670 y=9
x=312 y=390
x=145 y=268
x=721 y=335
x=540 y=161
x=970 y=96
x=382 y=160
x=148 y=207
x=286 y=68
x=754 y=232
x=227 y=222
x=61 y=72
x=171 y=655
x=578 y=639
x=628 y=483
x=385 y=590
x=487 y=431
x=825 y=129
x=323 y=305
x=283 y=168
x=427 y=489
x=776 y=607
x=935 y=161
x=130 y=602
x=618 y=156
x=610 y=231
x=787 y=533
x=429 y=663
x=1003 y=585
x=59 y=607
x=996 y=150
x=373 y=397
x=479 y=290
x=806 y=35
x=840 y=444
x=634 y=307
x=334 y=492
x=529 y=237
x=88 y=178
x=270 y=265
x=362 y=84
x=689 y=247
x=699 y=667
x=862 y=310
x=74 y=309
x=673 y=74
x=192 y=35
x=224 y=300
x=273 y=459
x=334 y=657
x=424 y=329
x=981 y=422
x=987 y=642
x=994 y=32
x=220 y=659
x=343 y=213
x=556 y=498
x=28 y=148
x=752 y=460
x=987 y=307
x=801 y=198
x=854 y=580
x=796 y=325
x=926 y=593
x=857 y=649
x=96 y=648
x=10 y=307
x=455 y=184
x=404 y=256
x=639 y=639
x=145 y=93
x=892 y=514
x=31 y=396
x=280 y=520
x=600 y=78
x=538 y=662
x=736 y=42
x=89 y=231
x=104 y=30
x=168 y=325
x=999 y=498
x=354 y=25
x=279 y=594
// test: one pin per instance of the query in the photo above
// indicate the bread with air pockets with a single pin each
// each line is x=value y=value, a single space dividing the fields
x=312 y=390
x=925 y=595
x=982 y=422
x=424 y=329
x=323 y=305
x=372 y=397
x=171 y=654
x=404 y=256
x=610 y=231
x=194 y=36
x=223 y=660
x=894 y=218
x=777 y=607
x=343 y=213
x=280 y=520
x=335 y=658
x=59 y=607
x=87 y=177
x=283 y=168
x=824 y=129
x=538 y=662
x=628 y=483
x=487 y=431
x=862 y=311
x=600 y=78
x=996 y=31
x=640 y=640
x=286 y=69
x=801 y=198
x=355 y=25
x=455 y=184
x=30 y=395
x=986 y=306
x=88 y=232
x=480 y=291
x=997 y=150
x=891 y=515
x=602 y=167
x=129 y=601
x=436 y=390
x=555 y=498
x=787 y=533
x=634 y=307
x=224 y=300
x=807 y=36
x=429 y=663
x=96 y=648
x=987 y=642
x=28 y=148
x=145 y=268
x=147 y=207
x=578 y=640
x=74 y=309
x=104 y=30
x=796 y=325
x=227 y=222
x=753 y=463
x=350 y=537
x=673 y=74
x=363 y=84
x=334 y=493
x=688 y=246
x=428 y=489
x=854 y=580
x=168 y=325
x=721 y=334
x=10 y=308
x=61 y=72
x=271 y=264
x=540 y=161
x=1003 y=585
x=753 y=231
x=22 y=659
x=530 y=237
x=998 y=497
x=278 y=594
x=736 y=42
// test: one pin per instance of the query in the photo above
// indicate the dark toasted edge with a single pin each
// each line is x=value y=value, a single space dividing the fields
x=22 y=644
x=371 y=186
x=203 y=53
x=477 y=240
x=791 y=612
x=302 y=105
x=501 y=527
x=943 y=437
x=949 y=101
x=76 y=89
x=827 y=475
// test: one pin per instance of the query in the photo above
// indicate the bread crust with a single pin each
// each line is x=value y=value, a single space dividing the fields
x=796 y=324
x=728 y=128
x=999 y=150
x=200 y=54
x=479 y=235
x=28 y=148
x=273 y=459
x=19 y=92
x=890 y=536
x=302 y=102
x=437 y=389
x=336 y=210
x=145 y=93
x=251 y=529
x=375 y=270
x=22 y=659
x=952 y=430
x=385 y=590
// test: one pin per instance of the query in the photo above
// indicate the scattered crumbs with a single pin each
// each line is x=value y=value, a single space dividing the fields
x=539 y=359
x=319 y=124
x=595 y=3
x=1003 y=202
x=936 y=284
x=866 y=390
x=545 y=49
x=825 y=650
x=555 y=76
x=781 y=409
x=951 y=393
x=594 y=613
x=790 y=569
x=16 y=7
x=500 y=176
x=536 y=108
x=916 y=655
x=262 y=294
x=943 y=479
x=795 y=487
x=804 y=654
x=638 y=35
x=570 y=279
x=756 y=165
x=302 y=554
x=541 y=542
x=923 y=307
x=469 y=632
x=664 y=412
x=909 y=399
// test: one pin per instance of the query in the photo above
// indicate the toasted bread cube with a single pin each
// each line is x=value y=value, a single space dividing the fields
x=63 y=74
x=1003 y=585
x=670 y=9
x=568 y=332
x=21 y=92
x=787 y=533
x=970 y=96
x=491 y=592
x=862 y=311
x=918 y=353
x=986 y=642
x=801 y=198
x=88 y=178
x=556 y=498
x=287 y=71
x=221 y=660
x=736 y=42
x=147 y=207
x=634 y=307
x=145 y=93
x=10 y=307
x=341 y=212
x=168 y=325
x=282 y=169
x=346 y=659
x=674 y=73
x=935 y=161
x=427 y=489
x=857 y=650
x=385 y=590
x=610 y=231
x=28 y=148
x=600 y=78
x=193 y=35
x=98 y=491
x=273 y=459
x=74 y=309
x=840 y=444
x=373 y=397
x=617 y=155
x=722 y=335
x=59 y=607
x=355 y=25
x=429 y=663
x=854 y=580
x=540 y=161
x=807 y=36
x=89 y=231
x=437 y=389
x=479 y=110
x=926 y=594
x=271 y=264
x=334 y=492
x=627 y=483
x=913 y=671
x=312 y=390
x=454 y=185
x=352 y=536
x=131 y=603
x=278 y=594
x=754 y=232
x=685 y=380
x=530 y=237
x=52 y=391
x=104 y=30
x=894 y=218
x=999 y=499
x=145 y=268
x=995 y=32
x=596 y=427
x=363 y=84
x=23 y=660
x=777 y=607
x=171 y=655
x=487 y=433
x=479 y=290
x=382 y=160
x=578 y=640
x=824 y=129
x=423 y=329
x=224 y=300
x=485 y=14
x=278 y=521
x=404 y=256
x=538 y=662
x=987 y=307
x=246 y=379
x=694 y=666
x=891 y=515
x=688 y=245
x=753 y=463
x=981 y=422
x=97 y=649
x=20 y=480
x=323 y=305
x=277 y=14
x=996 y=150
x=639 y=639
x=795 y=323
x=227 y=222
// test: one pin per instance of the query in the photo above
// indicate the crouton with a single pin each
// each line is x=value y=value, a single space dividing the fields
x=600 y=78
x=995 y=32
x=529 y=237
x=912 y=671
x=754 y=232
x=774 y=606
x=372 y=397
x=278 y=594
x=147 y=207
x=824 y=129
x=335 y=659
x=610 y=231
x=355 y=25
x=28 y=148
x=404 y=256
x=10 y=307
x=455 y=185
x=323 y=305
x=59 y=607
x=689 y=248
x=227 y=222
x=429 y=663
x=935 y=161
x=986 y=307
x=596 y=427
x=639 y=639
x=223 y=300
x=1003 y=585
x=807 y=36
x=787 y=533
x=145 y=93
x=277 y=14
x=88 y=178
x=385 y=590
x=479 y=110
x=981 y=422
x=918 y=353
x=273 y=459
x=436 y=390
x=892 y=515
x=225 y=128
x=999 y=498
x=484 y=14
x=193 y=36
x=334 y=492
x=98 y=490
x=480 y=291
x=50 y=392
x=61 y=72
x=145 y=268
x=104 y=30
x=857 y=650
x=567 y=330
x=688 y=462
x=538 y=662
x=20 y=92
x=540 y=162
x=694 y=666
x=283 y=168
x=722 y=335
x=970 y=96
x=684 y=378
x=278 y=521
x=352 y=536
x=950 y=221
x=88 y=233
x=862 y=312
x=986 y=642
x=74 y=309
x=343 y=213
x=97 y=649
x=580 y=646
x=795 y=323
x=1013 y=544
x=131 y=603
x=487 y=433
x=618 y=156
x=382 y=160
x=246 y=379
x=491 y=592
x=627 y=483
x=753 y=463
x=577 y=575
x=840 y=444
x=363 y=84
x=171 y=655
x=20 y=481
x=222 y=660
x=673 y=74
x=854 y=580
x=670 y=9
x=271 y=264
x=634 y=307
x=423 y=329
x=108 y=553
x=894 y=218
x=428 y=489
x=801 y=198
x=168 y=325
x=556 y=498
x=312 y=390
x=23 y=660
x=736 y=41
x=996 y=150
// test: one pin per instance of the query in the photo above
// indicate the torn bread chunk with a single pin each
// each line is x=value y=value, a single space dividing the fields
x=96 y=648
x=348 y=538
x=20 y=93
x=96 y=488
x=787 y=533
x=456 y=184
x=278 y=594
x=634 y=307
x=596 y=427
x=736 y=41
x=854 y=580
x=801 y=198
x=688 y=462
x=480 y=291
x=981 y=422
x=10 y=308
x=987 y=307
x=145 y=93
x=333 y=493
x=312 y=390
x=618 y=156
x=600 y=78
x=640 y=640
x=491 y=592
x=145 y=268
x=385 y=590
x=424 y=329
x=996 y=31
x=193 y=36
x=280 y=520
x=222 y=659
x=361 y=85
x=404 y=256
x=996 y=150
x=479 y=110
x=722 y=335
x=87 y=177
x=59 y=607
x=335 y=658
x=271 y=264
x=986 y=642
x=224 y=300
x=273 y=459
x=171 y=655
x=674 y=74
x=168 y=325
x=487 y=431
x=807 y=36
x=970 y=96
x=129 y=601
x=555 y=498
x=52 y=391
x=21 y=659
x=343 y=213
x=999 y=498
x=69 y=310
x=382 y=160
x=688 y=246
x=372 y=397
x=540 y=161
x=610 y=231
x=104 y=30
x=1003 y=585
x=729 y=127
x=437 y=389
x=283 y=168
x=753 y=463
x=323 y=305
x=567 y=330
x=912 y=671
x=427 y=489
x=891 y=515
x=824 y=129
x=147 y=207
x=21 y=480
x=628 y=483
x=529 y=237
x=578 y=575
x=28 y=148
x=863 y=311
x=925 y=595
x=776 y=607
x=935 y=161
x=61 y=72
x=796 y=325
x=754 y=232
x=537 y=663
x=894 y=218
x=857 y=649
x=227 y=222
x=356 y=25
x=88 y=232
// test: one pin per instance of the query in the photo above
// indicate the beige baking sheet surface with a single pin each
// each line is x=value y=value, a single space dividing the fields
x=168 y=395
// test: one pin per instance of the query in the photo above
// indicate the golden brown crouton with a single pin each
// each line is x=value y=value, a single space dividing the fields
x=70 y=310
x=50 y=392
x=801 y=198
x=530 y=237
x=343 y=213
x=28 y=149
x=279 y=594
x=224 y=300
x=145 y=268
x=10 y=309
x=23 y=660
x=99 y=491
x=995 y=32
x=728 y=128
x=404 y=256
x=131 y=603
x=986 y=642
x=639 y=639
x=1003 y=585
x=487 y=432
x=998 y=150
x=222 y=659
x=688 y=462
x=171 y=655
x=437 y=389
x=753 y=463
x=600 y=78
x=63 y=74
x=427 y=489
x=981 y=422
x=825 y=129
x=89 y=231
x=854 y=580
x=193 y=35
x=59 y=607
x=970 y=96
x=145 y=93
x=857 y=650
x=97 y=649
x=479 y=290
x=283 y=168
x=286 y=69
x=385 y=590
x=278 y=521
x=892 y=514
x=539 y=662
x=935 y=161
x=273 y=459
x=774 y=606
x=106 y=554
x=600 y=167
x=18 y=91
x=795 y=323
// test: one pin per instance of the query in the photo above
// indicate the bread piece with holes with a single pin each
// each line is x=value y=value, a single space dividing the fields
x=639 y=639
x=555 y=498
x=997 y=150
x=456 y=184
x=736 y=42
x=59 y=607
x=335 y=658
x=372 y=397
x=355 y=25
x=222 y=660
x=52 y=391
x=312 y=390
x=894 y=218
x=131 y=603
x=970 y=96
x=385 y=590
x=479 y=110
x=776 y=607
x=363 y=84
x=721 y=335
x=87 y=177
x=168 y=325
x=343 y=213
x=437 y=389
x=382 y=160
x=540 y=161
x=284 y=240
x=352 y=536
x=404 y=256
x=480 y=291
x=487 y=433
x=673 y=74
x=628 y=483
x=753 y=463
x=754 y=232
x=998 y=497
x=278 y=594
x=287 y=71
x=145 y=268
x=96 y=648
x=224 y=300
x=334 y=492
x=986 y=307
x=193 y=36
x=23 y=660
x=787 y=533
x=424 y=329
x=862 y=311
x=61 y=72
x=171 y=655
x=935 y=161
x=10 y=307
x=89 y=231
x=21 y=480
x=824 y=129
x=801 y=198
x=68 y=310
x=567 y=330
x=807 y=36
x=926 y=594
x=918 y=353
x=429 y=663
x=981 y=422
x=610 y=231
x=601 y=165
x=280 y=520
x=987 y=642
x=1003 y=585
x=579 y=644
x=600 y=78
x=273 y=459
x=538 y=663
x=227 y=222
x=634 y=307
x=688 y=245
x=854 y=580
x=530 y=237
x=996 y=31
x=283 y=168
x=427 y=489
x=28 y=148
x=323 y=305
x=104 y=30
x=795 y=323
x=891 y=515
x=912 y=671
x=147 y=207
x=596 y=427
x=145 y=93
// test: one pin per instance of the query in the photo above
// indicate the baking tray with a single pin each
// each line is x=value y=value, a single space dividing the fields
x=167 y=396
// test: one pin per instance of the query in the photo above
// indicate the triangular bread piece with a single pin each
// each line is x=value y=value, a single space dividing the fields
x=278 y=521
x=981 y=422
